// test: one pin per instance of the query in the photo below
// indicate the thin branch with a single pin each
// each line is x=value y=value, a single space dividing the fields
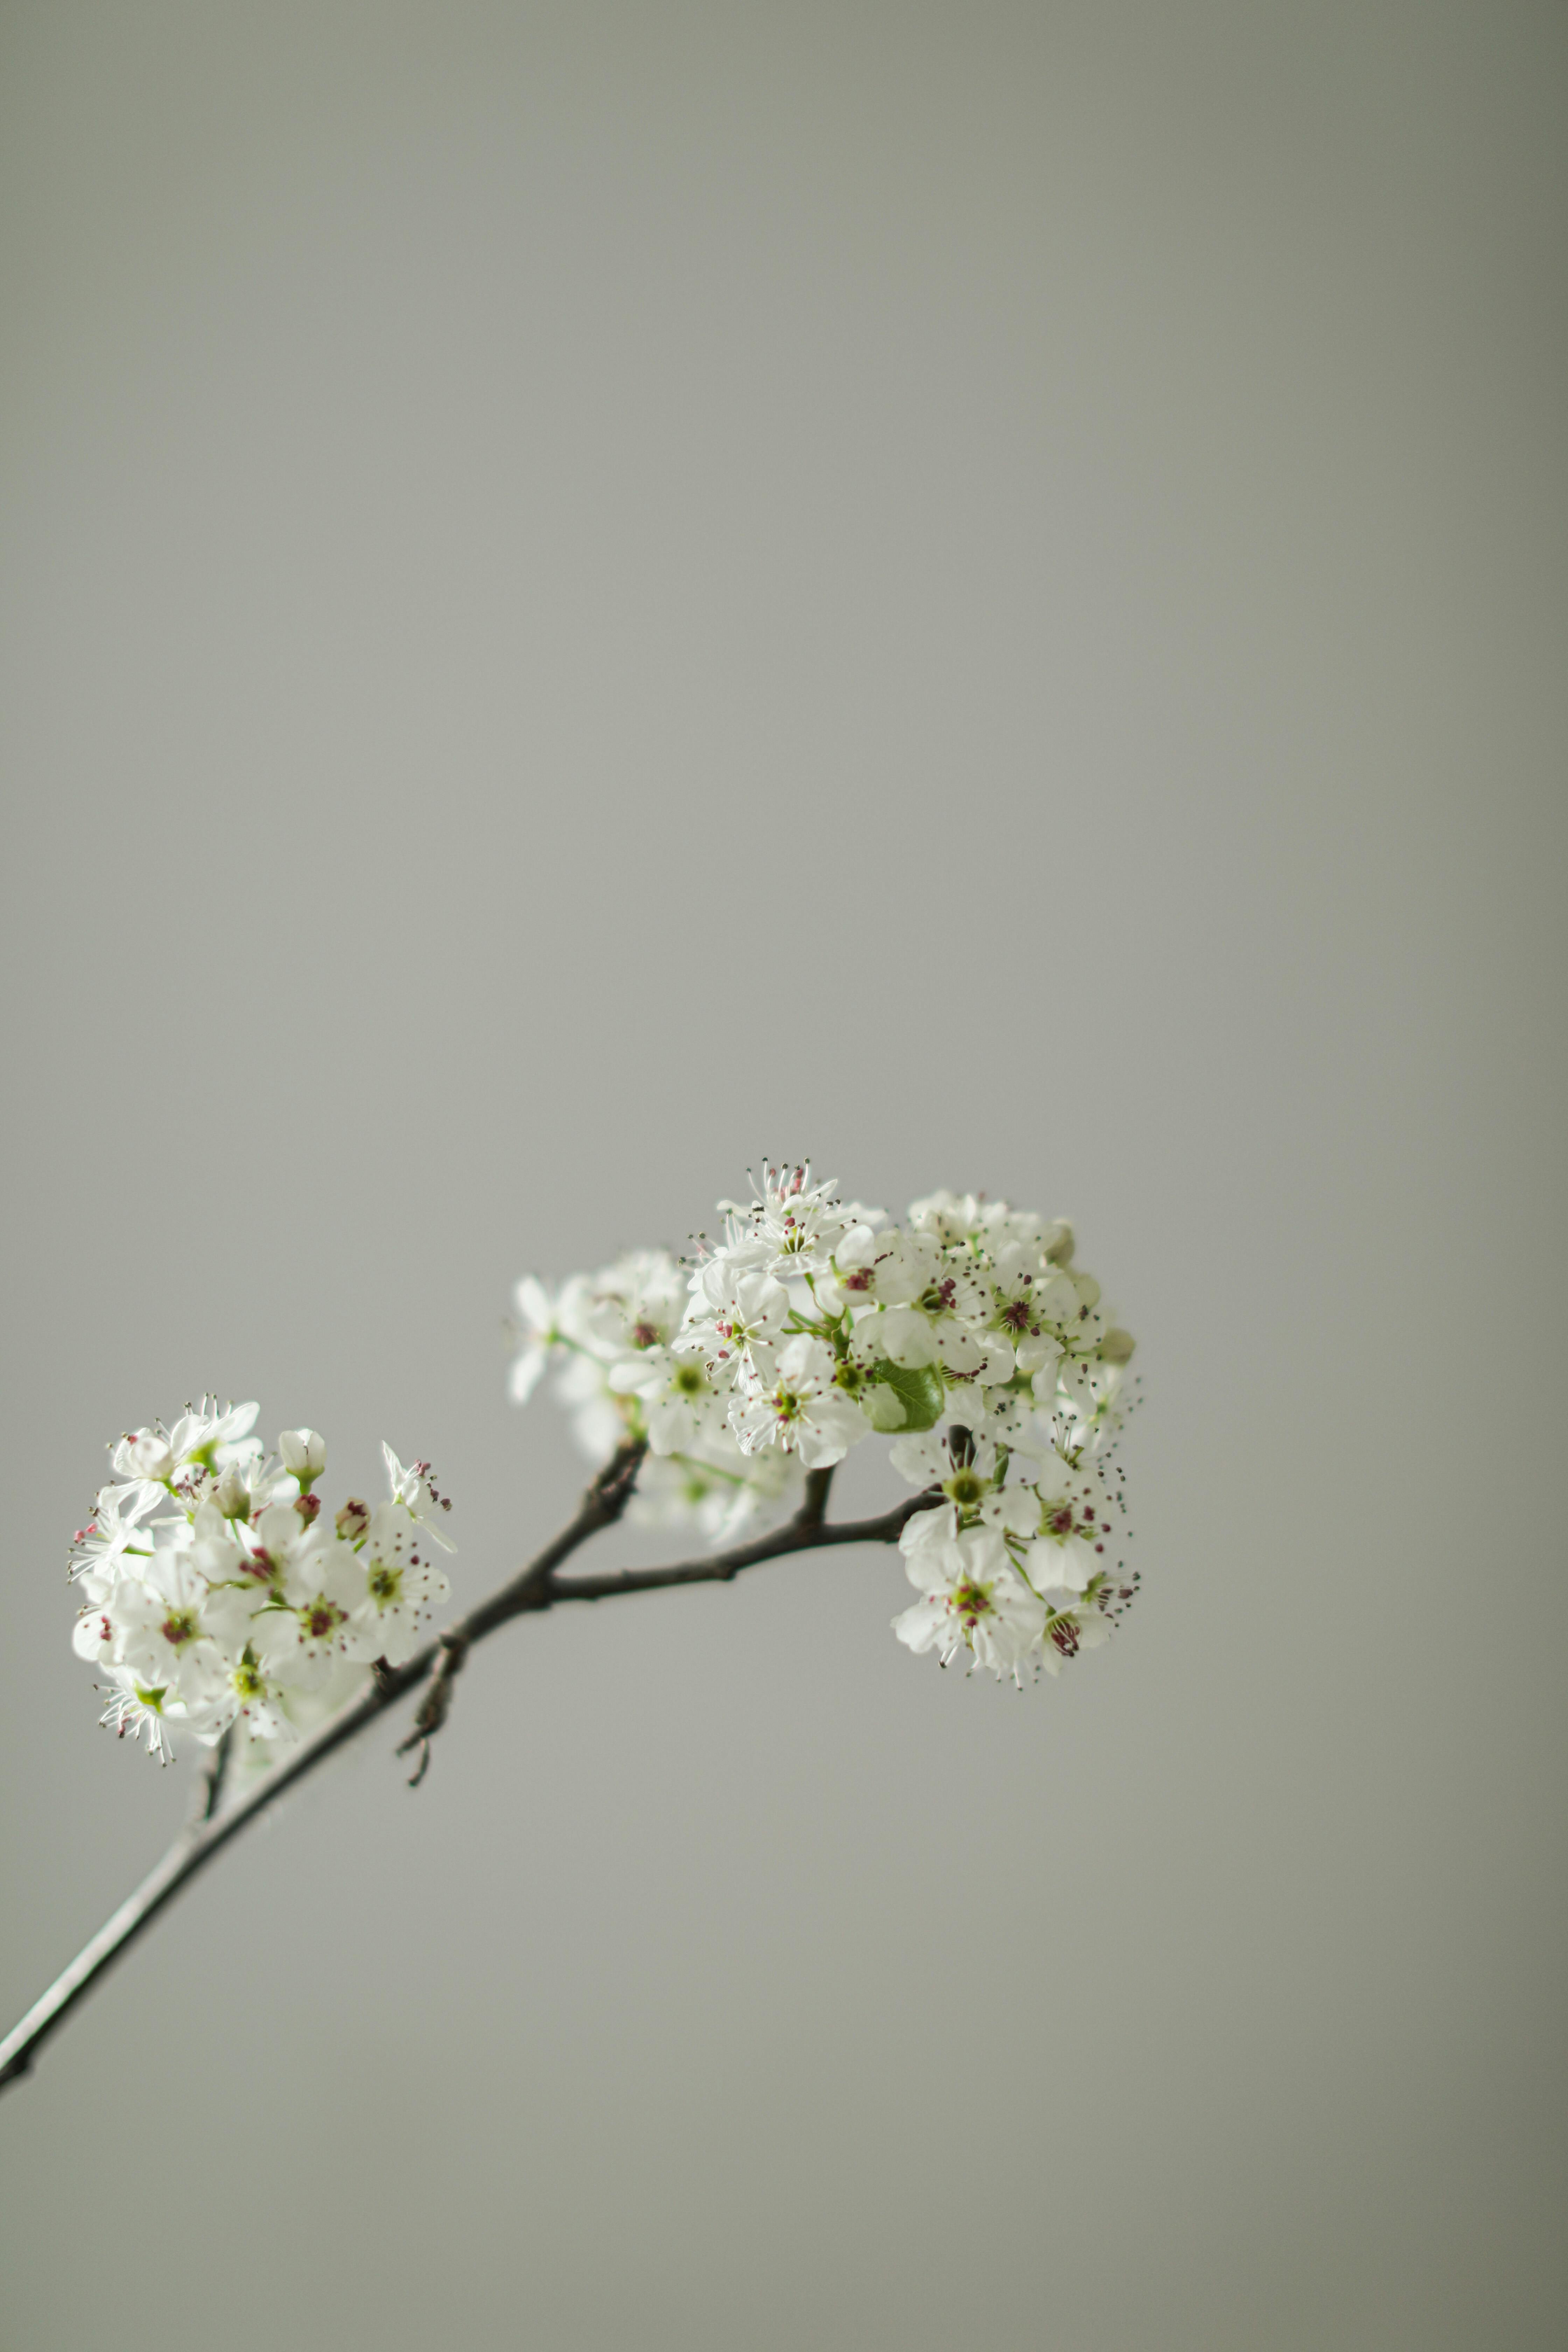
x=535 y=1588
x=721 y=1566
x=194 y=1847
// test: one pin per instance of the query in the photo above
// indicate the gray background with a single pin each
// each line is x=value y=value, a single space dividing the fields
x=592 y=593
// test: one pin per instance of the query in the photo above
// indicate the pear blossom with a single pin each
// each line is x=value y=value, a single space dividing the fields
x=723 y=1491
x=735 y=1310
x=113 y=1529
x=956 y=1463
x=1068 y=1631
x=873 y=1264
x=312 y=1623
x=416 y=1490
x=259 y=1701
x=1021 y=1298
x=138 y=1712
x=401 y=1588
x=272 y=1555
x=277 y=1709
x=171 y=1630
x=901 y=1335
x=218 y=1596
x=966 y=1333
x=682 y=1406
x=203 y=1439
x=792 y=1226
x=1086 y=1405
x=971 y=1596
x=541 y=1335
x=1074 y=1515
x=793 y=1401
x=239 y=1489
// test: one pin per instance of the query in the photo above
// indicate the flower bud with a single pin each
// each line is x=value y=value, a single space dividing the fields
x=1117 y=1346
x=353 y=1520
x=1057 y=1242
x=303 y=1452
x=231 y=1493
x=308 y=1506
x=143 y=1454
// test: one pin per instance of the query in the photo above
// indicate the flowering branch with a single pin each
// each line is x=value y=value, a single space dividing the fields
x=223 y=1603
x=536 y=1587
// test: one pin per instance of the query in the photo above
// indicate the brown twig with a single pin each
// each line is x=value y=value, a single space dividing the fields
x=536 y=1587
x=601 y=1507
x=814 y=1501
x=436 y=1703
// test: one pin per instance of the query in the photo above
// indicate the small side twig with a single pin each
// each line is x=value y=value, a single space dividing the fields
x=814 y=1501
x=436 y=1704
x=601 y=1507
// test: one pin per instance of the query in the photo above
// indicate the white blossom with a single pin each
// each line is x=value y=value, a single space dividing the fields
x=1085 y=1405
x=400 y=1588
x=541 y=1335
x=415 y=1488
x=735 y=1310
x=960 y=1468
x=967 y=1334
x=971 y=1596
x=1068 y=1631
x=311 y=1623
x=793 y=1226
x=255 y=1699
x=114 y=1529
x=240 y=1602
x=682 y=1407
x=138 y=1712
x=1072 y=1519
x=874 y=1266
x=724 y=1491
x=173 y=1631
x=206 y=1437
x=276 y=1711
x=240 y=1489
x=792 y=1400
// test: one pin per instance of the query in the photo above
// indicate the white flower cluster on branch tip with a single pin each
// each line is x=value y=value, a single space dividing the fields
x=966 y=1335
x=219 y=1595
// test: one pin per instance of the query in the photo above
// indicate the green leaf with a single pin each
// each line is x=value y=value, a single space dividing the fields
x=882 y=1409
x=919 y=1388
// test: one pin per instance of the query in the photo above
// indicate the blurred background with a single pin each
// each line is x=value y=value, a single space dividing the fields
x=593 y=592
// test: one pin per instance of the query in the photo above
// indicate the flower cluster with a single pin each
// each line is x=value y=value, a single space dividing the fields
x=967 y=1335
x=218 y=1594
x=611 y=1339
